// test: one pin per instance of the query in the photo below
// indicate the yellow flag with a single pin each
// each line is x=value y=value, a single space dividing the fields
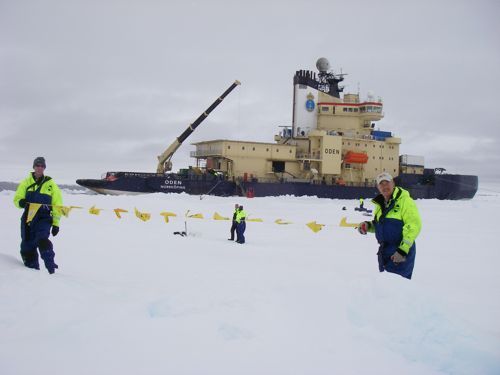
x=62 y=210
x=344 y=223
x=166 y=215
x=32 y=210
x=144 y=216
x=315 y=227
x=219 y=217
x=282 y=222
x=255 y=220
x=118 y=212
x=94 y=211
x=196 y=216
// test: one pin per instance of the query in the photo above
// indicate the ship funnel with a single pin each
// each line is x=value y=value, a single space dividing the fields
x=323 y=65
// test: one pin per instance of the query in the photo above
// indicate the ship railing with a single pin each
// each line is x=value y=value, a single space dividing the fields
x=202 y=153
x=309 y=155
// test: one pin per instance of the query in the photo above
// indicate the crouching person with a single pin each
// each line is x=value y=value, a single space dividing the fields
x=43 y=219
x=396 y=225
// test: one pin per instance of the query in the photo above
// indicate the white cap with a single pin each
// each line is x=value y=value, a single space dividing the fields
x=384 y=177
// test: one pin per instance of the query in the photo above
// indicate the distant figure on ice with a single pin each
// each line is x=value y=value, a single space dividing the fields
x=396 y=225
x=37 y=220
x=241 y=225
x=361 y=204
x=234 y=224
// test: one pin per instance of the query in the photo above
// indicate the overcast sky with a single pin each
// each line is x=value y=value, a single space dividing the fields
x=97 y=85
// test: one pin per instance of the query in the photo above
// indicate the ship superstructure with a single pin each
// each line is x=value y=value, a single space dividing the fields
x=333 y=140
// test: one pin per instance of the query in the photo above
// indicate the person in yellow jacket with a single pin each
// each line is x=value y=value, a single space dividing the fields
x=40 y=195
x=234 y=224
x=241 y=225
x=396 y=225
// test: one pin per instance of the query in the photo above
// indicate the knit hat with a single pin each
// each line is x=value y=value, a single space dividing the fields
x=40 y=160
x=384 y=177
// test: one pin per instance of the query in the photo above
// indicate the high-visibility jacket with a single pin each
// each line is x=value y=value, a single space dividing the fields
x=45 y=191
x=240 y=216
x=396 y=225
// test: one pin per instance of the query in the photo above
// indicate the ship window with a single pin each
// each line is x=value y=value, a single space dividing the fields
x=267 y=149
x=350 y=109
x=229 y=147
x=362 y=109
x=242 y=147
x=253 y=148
x=324 y=109
x=290 y=151
x=344 y=109
x=356 y=110
x=277 y=150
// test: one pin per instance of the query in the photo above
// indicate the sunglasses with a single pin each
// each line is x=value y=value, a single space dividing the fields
x=40 y=165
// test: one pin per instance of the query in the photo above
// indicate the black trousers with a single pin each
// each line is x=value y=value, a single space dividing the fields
x=233 y=229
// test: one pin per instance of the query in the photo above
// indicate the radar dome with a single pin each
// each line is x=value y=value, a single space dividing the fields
x=323 y=64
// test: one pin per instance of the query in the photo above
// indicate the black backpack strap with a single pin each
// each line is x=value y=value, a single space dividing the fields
x=45 y=179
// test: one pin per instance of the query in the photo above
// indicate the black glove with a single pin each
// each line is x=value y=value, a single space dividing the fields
x=55 y=230
x=22 y=203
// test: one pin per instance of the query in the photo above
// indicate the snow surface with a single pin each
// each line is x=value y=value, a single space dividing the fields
x=132 y=298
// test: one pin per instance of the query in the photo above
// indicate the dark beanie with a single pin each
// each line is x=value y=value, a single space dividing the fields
x=39 y=160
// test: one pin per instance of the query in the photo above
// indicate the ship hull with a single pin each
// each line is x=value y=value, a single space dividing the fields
x=433 y=186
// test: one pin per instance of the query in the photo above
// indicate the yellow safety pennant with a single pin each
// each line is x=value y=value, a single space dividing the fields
x=315 y=227
x=62 y=210
x=94 y=211
x=144 y=216
x=166 y=215
x=282 y=222
x=32 y=210
x=344 y=223
x=119 y=211
x=255 y=220
x=219 y=217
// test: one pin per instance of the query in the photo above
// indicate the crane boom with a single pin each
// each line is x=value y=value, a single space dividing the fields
x=164 y=160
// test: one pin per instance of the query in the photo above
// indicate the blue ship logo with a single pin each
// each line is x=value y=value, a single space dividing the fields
x=310 y=105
